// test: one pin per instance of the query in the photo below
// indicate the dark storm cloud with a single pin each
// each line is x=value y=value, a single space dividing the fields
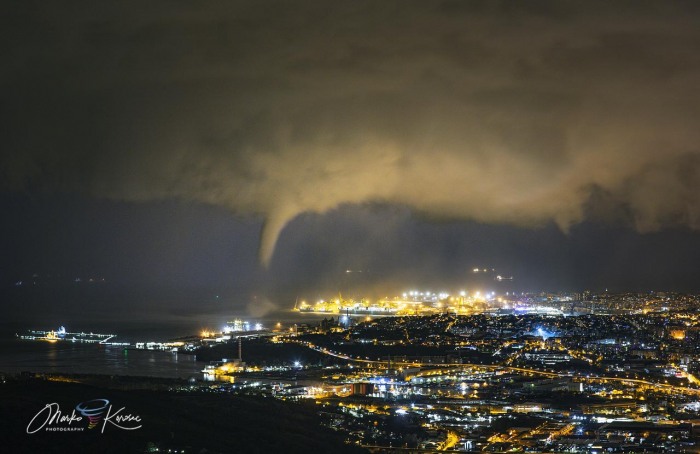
x=498 y=112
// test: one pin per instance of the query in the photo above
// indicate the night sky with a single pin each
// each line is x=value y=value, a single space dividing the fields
x=231 y=156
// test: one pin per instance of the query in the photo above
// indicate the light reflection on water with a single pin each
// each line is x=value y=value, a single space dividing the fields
x=62 y=357
x=43 y=357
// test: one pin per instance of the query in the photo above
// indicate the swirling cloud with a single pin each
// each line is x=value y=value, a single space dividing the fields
x=495 y=112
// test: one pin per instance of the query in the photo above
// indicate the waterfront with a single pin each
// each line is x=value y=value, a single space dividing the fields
x=537 y=380
x=18 y=356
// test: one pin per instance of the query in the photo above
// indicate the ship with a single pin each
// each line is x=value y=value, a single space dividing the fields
x=62 y=335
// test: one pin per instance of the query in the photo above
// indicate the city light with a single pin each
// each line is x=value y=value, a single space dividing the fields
x=592 y=354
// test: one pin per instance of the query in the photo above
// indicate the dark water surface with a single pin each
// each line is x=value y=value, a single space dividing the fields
x=63 y=357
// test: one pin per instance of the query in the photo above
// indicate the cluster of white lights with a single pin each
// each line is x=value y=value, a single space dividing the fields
x=445 y=295
x=244 y=326
x=428 y=294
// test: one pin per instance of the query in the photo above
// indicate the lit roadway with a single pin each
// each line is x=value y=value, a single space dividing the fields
x=660 y=386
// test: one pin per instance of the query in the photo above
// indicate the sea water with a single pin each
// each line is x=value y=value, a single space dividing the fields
x=17 y=355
